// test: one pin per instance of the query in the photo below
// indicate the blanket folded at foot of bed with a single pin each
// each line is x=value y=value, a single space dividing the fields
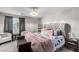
x=39 y=43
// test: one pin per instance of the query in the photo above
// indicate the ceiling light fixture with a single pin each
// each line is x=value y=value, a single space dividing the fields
x=34 y=11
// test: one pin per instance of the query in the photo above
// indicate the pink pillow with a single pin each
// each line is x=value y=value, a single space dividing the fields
x=50 y=33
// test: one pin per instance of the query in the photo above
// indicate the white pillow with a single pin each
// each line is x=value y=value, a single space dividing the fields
x=44 y=33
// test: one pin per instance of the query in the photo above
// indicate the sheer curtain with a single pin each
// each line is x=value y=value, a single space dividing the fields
x=15 y=25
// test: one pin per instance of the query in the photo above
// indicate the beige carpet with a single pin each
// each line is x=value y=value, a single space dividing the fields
x=12 y=47
x=65 y=50
x=9 y=47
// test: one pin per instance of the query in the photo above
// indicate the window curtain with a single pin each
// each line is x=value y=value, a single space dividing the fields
x=8 y=24
x=22 y=24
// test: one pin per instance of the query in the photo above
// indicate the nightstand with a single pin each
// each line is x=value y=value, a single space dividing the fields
x=23 y=45
x=73 y=44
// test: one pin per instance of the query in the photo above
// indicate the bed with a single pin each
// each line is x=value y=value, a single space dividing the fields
x=40 y=43
x=44 y=42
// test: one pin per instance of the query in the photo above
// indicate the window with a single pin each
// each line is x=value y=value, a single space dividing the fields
x=15 y=25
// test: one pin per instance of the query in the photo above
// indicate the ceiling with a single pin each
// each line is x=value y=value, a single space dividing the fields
x=42 y=11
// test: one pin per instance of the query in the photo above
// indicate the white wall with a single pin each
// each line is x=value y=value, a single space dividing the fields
x=2 y=23
x=32 y=24
x=64 y=15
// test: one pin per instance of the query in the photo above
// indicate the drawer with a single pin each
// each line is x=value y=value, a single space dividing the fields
x=72 y=46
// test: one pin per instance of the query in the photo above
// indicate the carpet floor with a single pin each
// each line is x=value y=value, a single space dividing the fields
x=12 y=47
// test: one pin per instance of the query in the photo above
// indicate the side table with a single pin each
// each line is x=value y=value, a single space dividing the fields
x=73 y=44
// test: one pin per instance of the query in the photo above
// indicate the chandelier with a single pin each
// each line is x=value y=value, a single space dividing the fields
x=34 y=11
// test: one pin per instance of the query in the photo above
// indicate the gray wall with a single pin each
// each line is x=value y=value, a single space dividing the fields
x=31 y=24
x=1 y=23
x=64 y=15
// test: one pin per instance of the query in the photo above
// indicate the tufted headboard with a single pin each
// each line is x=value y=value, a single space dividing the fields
x=54 y=26
x=64 y=27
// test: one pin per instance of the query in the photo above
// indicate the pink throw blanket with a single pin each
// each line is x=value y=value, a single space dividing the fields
x=39 y=43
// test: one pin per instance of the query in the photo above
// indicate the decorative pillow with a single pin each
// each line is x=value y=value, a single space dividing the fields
x=47 y=33
x=55 y=33
x=44 y=33
x=50 y=33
